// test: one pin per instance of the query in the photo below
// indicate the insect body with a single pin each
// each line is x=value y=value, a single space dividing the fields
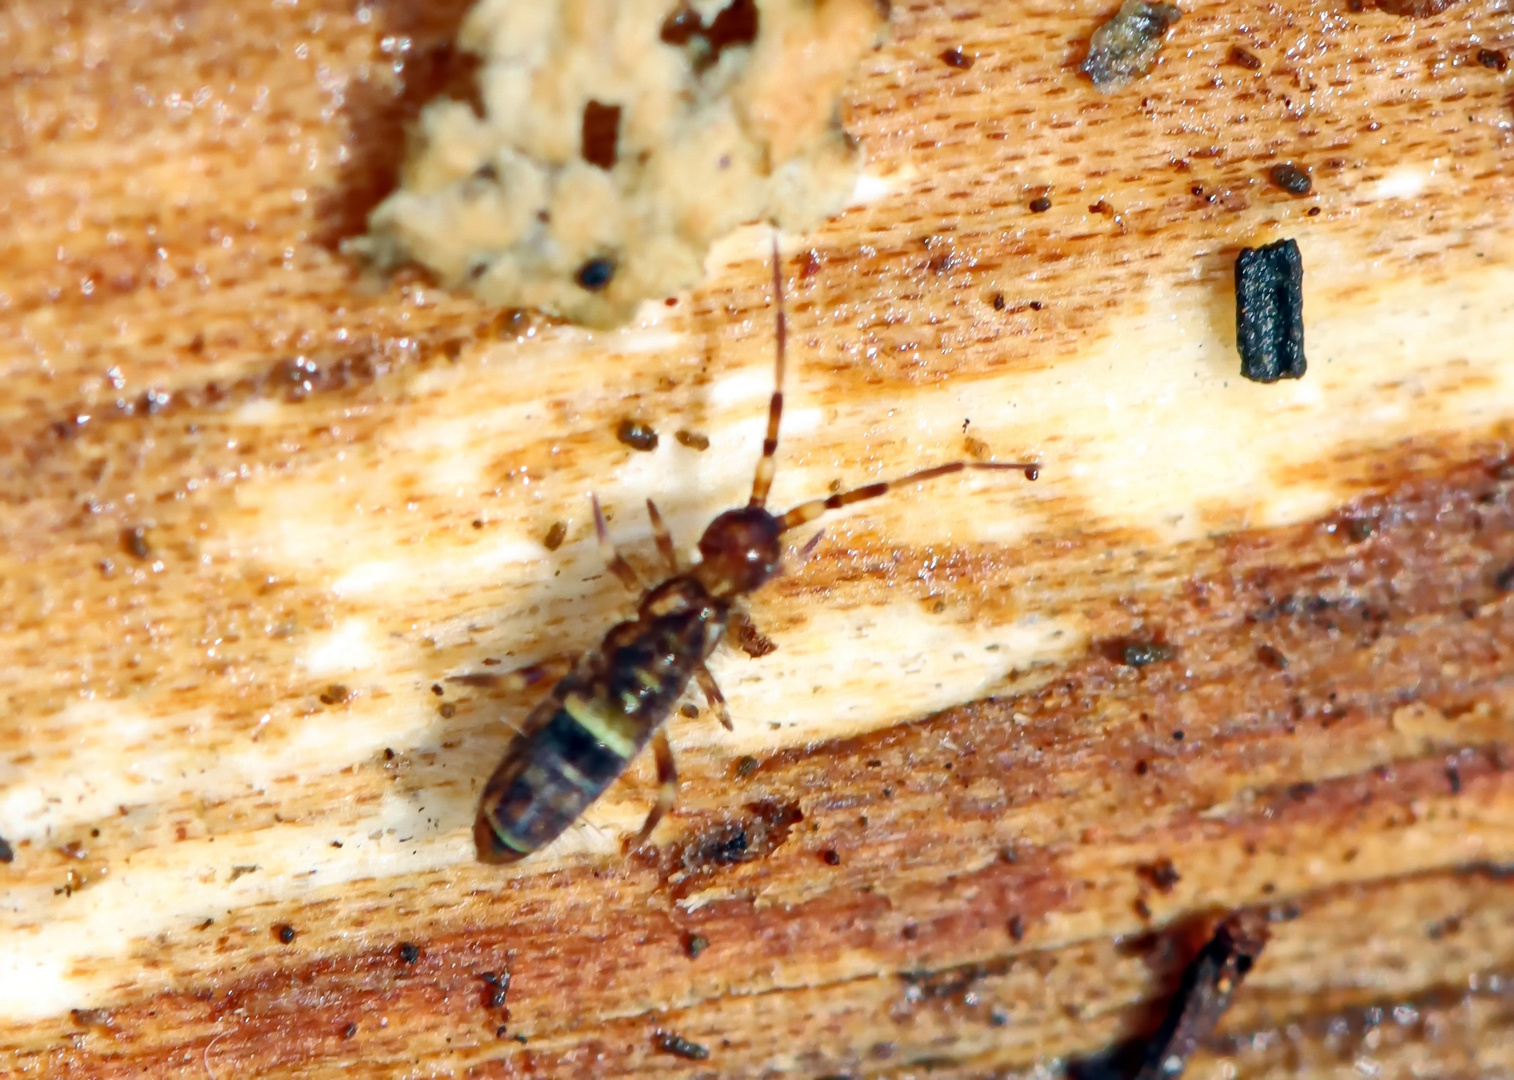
x=611 y=702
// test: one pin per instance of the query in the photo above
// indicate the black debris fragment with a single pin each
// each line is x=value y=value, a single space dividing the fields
x=1269 y=312
x=409 y=953
x=595 y=274
x=1291 y=178
x=636 y=435
x=1493 y=58
x=678 y=1046
x=285 y=933
x=1126 y=45
x=6 y=854
x=955 y=57
x=1208 y=984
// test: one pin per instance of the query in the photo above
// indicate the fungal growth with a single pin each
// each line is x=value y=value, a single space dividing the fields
x=1127 y=45
x=610 y=703
x=618 y=140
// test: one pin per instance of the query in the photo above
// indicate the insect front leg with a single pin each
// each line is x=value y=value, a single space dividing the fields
x=667 y=789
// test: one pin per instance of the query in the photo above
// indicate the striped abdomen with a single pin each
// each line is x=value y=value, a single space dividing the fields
x=597 y=719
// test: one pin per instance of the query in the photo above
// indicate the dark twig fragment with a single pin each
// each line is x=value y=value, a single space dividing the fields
x=1269 y=312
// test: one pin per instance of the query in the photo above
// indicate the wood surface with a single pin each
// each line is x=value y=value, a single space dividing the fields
x=258 y=505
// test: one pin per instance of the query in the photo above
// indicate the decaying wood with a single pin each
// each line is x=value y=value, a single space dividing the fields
x=1240 y=646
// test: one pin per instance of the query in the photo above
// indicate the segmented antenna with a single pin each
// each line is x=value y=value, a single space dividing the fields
x=809 y=511
x=767 y=465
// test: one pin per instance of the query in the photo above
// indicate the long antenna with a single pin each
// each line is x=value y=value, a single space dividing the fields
x=809 y=511
x=767 y=464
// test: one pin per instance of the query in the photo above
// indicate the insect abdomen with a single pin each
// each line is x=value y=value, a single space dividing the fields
x=547 y=782
x=599 y=724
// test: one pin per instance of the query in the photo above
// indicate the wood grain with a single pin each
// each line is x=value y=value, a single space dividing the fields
x=256 y=507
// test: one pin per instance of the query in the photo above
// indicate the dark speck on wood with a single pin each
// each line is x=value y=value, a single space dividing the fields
x=637 y=435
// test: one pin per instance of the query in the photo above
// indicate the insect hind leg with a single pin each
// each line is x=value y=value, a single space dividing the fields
x=713 y=695
x=667 y=790
x=546 y=671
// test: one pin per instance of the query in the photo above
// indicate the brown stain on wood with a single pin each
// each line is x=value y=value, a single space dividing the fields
x=178 y=180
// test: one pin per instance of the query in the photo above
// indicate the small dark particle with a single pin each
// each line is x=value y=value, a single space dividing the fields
x=349 y=1031
x=1241 y=58
x=1126 y=45
x=1272 y=657
x=695 y=944
x=811 y=265
x=134 y=543
x=1040 y=204
x=601 y=133
x=1138 y=654
x=206 y=925
x=556 y=535
x=998 y=301
x=388 y=754
x=1290 y=178
x=688 y=711
x=636 y=435
x=499 y=1032
x=1269 y=312
x=1017 y=927
x=1453 y=778
x=1208 y=984
x=595 y=274
x=1493 y=58
x=336 y=843
x=446 y=710
x=336 y=694
x=436 y=688
x=1177 y=736
x=746 y=765
x=1313 y=211
x=831 y=857
x=73 y=850
x=1142 y=767
x=735 y=24
x=692 y=439
x=1036 y=305
x=1504 y=581
x=409 y=953
x=678 y=1046
x=1162 y=874
x=6 y=854
x=998 y=1016
x=1414 y=9
x=284 y=932
x=1360 y=529
x=238 y=871
x=955 y=57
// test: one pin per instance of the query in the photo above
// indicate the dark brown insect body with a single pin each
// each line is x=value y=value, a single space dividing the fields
x=613 y=701
x=1209 y=983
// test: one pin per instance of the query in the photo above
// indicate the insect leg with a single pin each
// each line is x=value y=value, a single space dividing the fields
x=663 y=537
x=667 y=789
x=613 y=559
x=713 y=695
x=547 y=671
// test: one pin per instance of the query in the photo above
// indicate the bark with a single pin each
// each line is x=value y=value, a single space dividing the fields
x=1017 y=746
